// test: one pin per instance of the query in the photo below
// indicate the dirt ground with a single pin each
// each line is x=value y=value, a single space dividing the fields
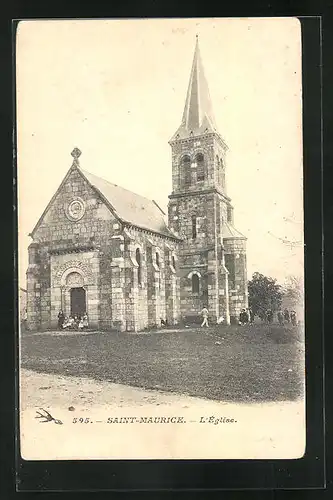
x=84 y=406
x=49 y=391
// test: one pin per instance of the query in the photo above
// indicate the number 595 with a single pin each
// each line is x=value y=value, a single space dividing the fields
x=81 y=420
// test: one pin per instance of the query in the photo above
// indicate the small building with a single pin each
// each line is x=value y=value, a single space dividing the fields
x=101 y=249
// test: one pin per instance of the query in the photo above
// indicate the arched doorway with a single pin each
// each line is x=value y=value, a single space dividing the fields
x=78 y=301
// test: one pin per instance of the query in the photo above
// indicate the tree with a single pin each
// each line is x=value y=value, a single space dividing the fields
x=264 y=293
x=293 y=290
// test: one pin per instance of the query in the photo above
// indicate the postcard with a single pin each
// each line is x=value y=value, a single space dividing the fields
x=161 y=254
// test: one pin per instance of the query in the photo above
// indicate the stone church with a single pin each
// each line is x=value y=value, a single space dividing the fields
x=101 y=249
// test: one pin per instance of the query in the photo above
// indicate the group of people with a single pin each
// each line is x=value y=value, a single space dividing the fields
x=246 y=316
x=286 y=316
x=266 y=316
x=75 y=322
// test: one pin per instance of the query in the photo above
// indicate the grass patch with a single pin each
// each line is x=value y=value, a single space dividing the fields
x=256 y=363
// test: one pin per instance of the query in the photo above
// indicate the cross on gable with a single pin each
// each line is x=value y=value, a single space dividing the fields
x=76 y=153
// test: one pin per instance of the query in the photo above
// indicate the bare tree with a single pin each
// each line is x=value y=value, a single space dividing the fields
x=293 y=289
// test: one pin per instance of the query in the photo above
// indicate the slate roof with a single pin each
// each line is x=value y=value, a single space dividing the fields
x=198 y=117
x=131 y=207
x=228 y=231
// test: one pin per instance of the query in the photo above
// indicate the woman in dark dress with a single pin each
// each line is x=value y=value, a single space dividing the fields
x=61 y=319
x=293 y=318
x=270 y=316
x=243 y=317
x=286 y=316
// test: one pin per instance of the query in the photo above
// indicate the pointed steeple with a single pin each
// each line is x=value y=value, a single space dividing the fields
x=198 y=117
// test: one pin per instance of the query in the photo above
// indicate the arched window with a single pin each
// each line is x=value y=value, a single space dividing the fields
x=204 y=287
x=138 y=260
x=218 y=170
x=200 y=161
x=157 y=257
x=149 y=254
x=173 y=260
x=167 y=257
x=230 y=215
x=186 y=167
x=222 y=172
x=195 y=283
x=194 y=227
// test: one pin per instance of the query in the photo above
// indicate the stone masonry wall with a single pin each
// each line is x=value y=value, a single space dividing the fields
x=202 y=255
x=146 y=302
x=104 y=255
x=213 y=150
x=206 y=200
x=235 y=261
x=57 y=234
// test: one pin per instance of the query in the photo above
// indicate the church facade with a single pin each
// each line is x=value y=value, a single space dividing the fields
x=101 y=249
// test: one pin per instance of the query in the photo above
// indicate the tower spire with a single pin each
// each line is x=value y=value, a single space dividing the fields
x=198 y=117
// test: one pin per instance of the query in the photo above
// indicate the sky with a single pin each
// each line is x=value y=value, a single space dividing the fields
x=116 y=90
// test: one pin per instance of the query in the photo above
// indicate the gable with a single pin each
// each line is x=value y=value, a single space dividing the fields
x=73 y=209
x=101 y=200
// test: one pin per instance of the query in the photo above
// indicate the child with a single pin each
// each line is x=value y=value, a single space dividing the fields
x=85 y=320
x=65 y=323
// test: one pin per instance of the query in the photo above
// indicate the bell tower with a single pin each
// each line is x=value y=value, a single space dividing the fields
x=199 y=210
x=202 y=149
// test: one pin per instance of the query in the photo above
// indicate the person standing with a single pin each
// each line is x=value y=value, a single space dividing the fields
x=61 y=319
x=85 y=320
x=280 y=317
x=262 y=315
x=76 y=322
x=24 y=322
x=270 y=316
x=293 y=318
x=286 y=316
x=204 y=314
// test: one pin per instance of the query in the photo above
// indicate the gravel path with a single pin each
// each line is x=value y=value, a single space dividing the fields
x=84 y=406
x=49 y=391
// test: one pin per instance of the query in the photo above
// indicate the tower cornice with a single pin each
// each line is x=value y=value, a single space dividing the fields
x=200 y=192
x=190 y=139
